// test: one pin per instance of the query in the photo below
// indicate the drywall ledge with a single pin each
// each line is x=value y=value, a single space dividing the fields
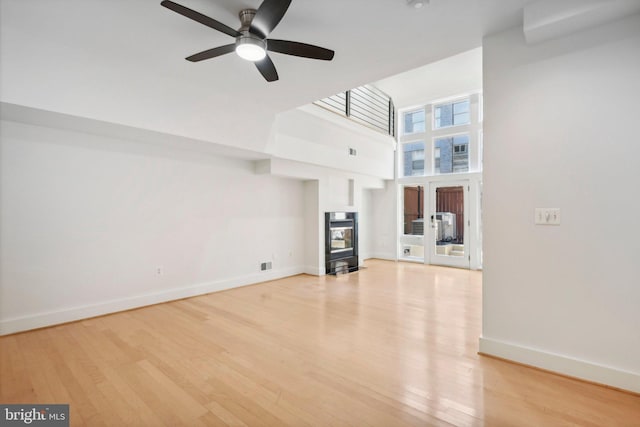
x=52 y=318
x=562 y=365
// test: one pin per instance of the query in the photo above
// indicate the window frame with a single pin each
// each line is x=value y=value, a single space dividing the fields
x=412 y=111
x=421 y=188
x=401 y=174
x=467 y=150
x=453 y=114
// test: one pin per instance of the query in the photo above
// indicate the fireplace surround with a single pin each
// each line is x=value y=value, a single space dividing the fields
x=341 y=242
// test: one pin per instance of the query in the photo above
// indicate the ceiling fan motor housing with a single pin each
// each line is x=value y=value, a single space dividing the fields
x=246 y=17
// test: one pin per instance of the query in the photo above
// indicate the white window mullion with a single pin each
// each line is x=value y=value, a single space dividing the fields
x=428 y=141
x=474 y=128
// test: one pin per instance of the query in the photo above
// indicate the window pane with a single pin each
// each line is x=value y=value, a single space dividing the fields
x=461 y=139
x=461 y=107
x=413 y=210
x=413 y=159
x=414 y=121
x=451 y=114
x=451 y=154
x=461 y=119
x=444 y=115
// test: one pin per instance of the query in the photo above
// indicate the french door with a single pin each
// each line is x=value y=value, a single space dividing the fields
x=447 y=235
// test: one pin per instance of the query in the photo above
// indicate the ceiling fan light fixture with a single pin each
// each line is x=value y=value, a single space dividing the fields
x=251 y=48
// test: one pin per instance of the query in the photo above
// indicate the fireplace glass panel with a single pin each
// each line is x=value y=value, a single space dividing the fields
x=341 y=239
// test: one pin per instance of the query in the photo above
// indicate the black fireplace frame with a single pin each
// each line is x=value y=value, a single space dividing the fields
x=341 y=260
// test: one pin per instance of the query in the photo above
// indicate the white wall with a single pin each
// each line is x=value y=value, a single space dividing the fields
x=384 y=222
x=328 y=190
x=87 y=221
x=457 y=74
x=561 y=130
x=313 y=135
x=314 y=227
x=366 y=233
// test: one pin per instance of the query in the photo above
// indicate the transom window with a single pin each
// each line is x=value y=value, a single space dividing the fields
x=414 y=121
x=413 y=158
x=451 y=154
x=451 y=114
x=440 y=137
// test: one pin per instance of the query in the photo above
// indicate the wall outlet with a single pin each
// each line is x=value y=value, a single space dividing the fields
x=547 y=216
x=159 y=271
x=265 y=266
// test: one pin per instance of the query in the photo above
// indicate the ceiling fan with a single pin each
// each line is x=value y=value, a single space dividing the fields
x=251 y=42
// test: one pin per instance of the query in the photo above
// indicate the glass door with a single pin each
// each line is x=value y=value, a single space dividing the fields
x=448 y=221
x=413 y=223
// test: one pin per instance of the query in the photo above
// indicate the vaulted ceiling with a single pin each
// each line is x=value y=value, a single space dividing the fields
x=122 y=61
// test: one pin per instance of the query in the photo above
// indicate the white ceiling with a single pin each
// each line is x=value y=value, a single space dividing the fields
x=456 y=75
x=462 y=73
x=122 y=61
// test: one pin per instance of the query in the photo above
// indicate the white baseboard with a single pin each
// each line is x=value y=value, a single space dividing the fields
x=55 y=317
x=314 y=271
x=383 y=255
x=562 y=364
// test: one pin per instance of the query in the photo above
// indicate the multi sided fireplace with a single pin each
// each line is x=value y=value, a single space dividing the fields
x=341 y=242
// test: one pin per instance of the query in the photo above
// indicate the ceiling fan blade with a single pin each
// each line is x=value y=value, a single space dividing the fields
x=198 y=17
x=212 y=53
x=299 y=49
x=269 y=15
x=267 y=69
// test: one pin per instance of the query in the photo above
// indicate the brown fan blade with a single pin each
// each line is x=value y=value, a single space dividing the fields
x=268 y=16
x=299 y=49
x=212 y=53
x=198 y=17
x=267 y=69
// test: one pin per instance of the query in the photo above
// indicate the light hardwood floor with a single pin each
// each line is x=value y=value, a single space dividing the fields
x=392 y=345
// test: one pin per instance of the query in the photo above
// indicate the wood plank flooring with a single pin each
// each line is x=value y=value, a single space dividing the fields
x=392 y=345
